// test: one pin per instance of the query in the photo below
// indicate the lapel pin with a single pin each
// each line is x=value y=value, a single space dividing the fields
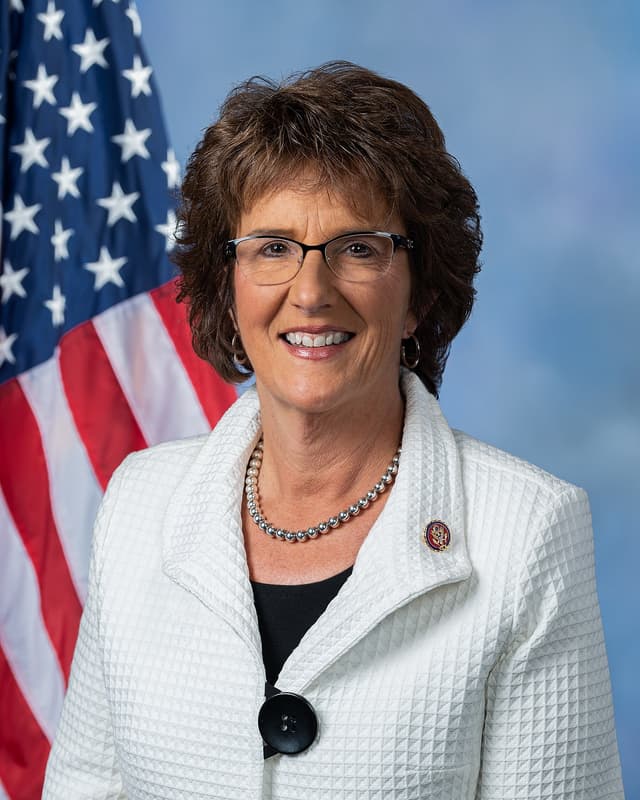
x=436 y=535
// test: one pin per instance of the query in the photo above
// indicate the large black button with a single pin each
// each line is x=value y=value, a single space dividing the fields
x=287 y=723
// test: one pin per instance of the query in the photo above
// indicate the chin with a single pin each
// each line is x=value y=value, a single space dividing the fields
x=314 y=402
x=308 y=397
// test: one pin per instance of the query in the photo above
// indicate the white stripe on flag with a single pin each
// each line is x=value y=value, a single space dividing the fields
x=73 y=487
x=3 y=793
x=23 y=635
x=150 y=372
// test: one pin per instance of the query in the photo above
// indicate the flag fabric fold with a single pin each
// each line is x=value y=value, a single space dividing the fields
x=95 y=356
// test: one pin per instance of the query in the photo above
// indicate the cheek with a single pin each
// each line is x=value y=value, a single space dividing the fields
x=243 y=299
x=395 y=317
x=388 y=325
x=255 y=309
x=244 y=322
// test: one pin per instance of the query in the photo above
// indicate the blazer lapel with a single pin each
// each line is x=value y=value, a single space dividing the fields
x=203 y=546
x=394 y=564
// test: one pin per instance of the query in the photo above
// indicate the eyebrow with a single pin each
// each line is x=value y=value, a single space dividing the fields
x=289 y=234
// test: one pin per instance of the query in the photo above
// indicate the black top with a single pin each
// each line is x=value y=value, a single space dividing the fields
x=285 y=614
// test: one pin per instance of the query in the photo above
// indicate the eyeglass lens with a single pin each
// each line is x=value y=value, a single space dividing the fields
x=271 y=260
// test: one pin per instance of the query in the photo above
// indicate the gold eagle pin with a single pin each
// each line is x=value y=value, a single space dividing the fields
x=437 y=535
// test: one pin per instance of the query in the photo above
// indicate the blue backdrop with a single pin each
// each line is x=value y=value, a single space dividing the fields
x=540 y=102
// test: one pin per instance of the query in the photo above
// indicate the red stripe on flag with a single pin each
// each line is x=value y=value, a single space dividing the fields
x=25 y=483
x=214 y=394
x=100 y=410
x=23 y=746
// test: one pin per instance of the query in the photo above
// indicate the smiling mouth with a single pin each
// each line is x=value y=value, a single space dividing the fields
x=317 y=339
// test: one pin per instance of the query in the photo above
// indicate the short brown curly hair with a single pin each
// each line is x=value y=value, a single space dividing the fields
x=344 y=124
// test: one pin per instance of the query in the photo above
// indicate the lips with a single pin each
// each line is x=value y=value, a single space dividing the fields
x=324 y=339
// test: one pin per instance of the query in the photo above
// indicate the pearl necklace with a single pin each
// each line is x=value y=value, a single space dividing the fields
x=253 y=505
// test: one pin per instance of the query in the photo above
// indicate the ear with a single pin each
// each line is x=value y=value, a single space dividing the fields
x=233 y=319
x=410 y=324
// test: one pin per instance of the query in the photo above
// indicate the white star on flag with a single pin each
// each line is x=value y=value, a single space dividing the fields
x=132 y=13
x=2 y=119
x=168 y=230
x=51 y=21
x=11 y=281
x=119 y=204
x=31 y=151
x=96 y=3
x=171 y=169
x=67 y=179
x=132 y=141
x=56 y=306
x=21 y=217
x=6 y=343
x=139 y=77
x=106 y=269
x=91 y=51
x=77 y=114
x=42 y=87
x=16 y=5
x=59 y=240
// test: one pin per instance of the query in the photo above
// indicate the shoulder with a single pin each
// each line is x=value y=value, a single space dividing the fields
x=140 y=488
x=486 y=464
x=148 y=478
x=498 y=487
x=164 y=462
x=520 y=514
x=153 y=472
x=535 y=511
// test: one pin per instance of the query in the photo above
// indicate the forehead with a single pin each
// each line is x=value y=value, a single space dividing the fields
x=302 y=205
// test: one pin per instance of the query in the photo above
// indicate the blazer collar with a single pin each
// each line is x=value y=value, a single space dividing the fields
x=204 y=548
x=203 y=545
x=394 y=565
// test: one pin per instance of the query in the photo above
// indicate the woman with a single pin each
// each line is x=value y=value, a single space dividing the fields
x=334 y=595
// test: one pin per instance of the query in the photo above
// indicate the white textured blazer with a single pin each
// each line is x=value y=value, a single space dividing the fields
x=475 y=672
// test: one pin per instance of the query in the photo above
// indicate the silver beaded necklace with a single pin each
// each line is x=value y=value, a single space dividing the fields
x=253 y=504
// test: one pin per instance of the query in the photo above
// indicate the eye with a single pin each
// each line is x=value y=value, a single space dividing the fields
x=358 y=249
x=276 y=248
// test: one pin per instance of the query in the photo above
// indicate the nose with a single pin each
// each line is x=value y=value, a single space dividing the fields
x=312 y=288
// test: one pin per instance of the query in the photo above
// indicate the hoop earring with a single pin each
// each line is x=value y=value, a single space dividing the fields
x=239 y=356
x=410 y=363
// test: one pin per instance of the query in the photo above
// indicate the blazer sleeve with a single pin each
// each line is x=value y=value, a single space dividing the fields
x=549 y=727
x=82 y=763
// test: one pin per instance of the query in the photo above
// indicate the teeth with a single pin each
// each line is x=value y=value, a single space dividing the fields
x=321 y=340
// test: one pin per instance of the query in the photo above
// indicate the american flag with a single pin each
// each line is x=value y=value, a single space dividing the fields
x=95 y=355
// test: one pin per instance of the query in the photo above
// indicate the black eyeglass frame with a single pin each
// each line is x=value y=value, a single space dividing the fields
x=397 y=240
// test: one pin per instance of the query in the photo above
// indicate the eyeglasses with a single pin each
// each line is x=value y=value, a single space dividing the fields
x=356 y=257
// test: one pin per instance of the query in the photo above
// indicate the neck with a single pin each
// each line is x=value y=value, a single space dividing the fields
x=317 y=463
